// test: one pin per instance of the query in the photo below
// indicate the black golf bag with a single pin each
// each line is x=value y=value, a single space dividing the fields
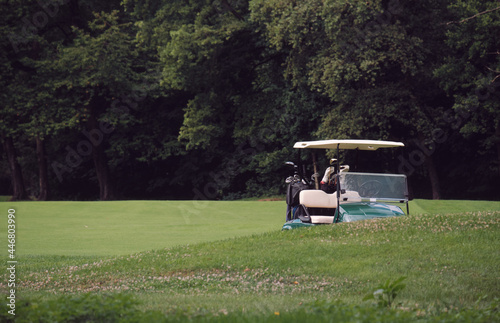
x=292 y=200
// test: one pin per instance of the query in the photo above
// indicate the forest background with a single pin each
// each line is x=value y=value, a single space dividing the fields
x=198 y=99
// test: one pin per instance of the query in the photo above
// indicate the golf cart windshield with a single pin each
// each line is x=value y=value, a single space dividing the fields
x=375 y=187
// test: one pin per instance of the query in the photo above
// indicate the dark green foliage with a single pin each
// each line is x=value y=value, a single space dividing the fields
x=209 y=96
x=470 y=73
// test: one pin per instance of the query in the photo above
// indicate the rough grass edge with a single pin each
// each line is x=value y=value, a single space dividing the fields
x=124 y=308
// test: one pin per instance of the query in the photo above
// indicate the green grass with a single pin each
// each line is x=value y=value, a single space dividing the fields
x=124 y=227
x=451 y=206
x=238 y=260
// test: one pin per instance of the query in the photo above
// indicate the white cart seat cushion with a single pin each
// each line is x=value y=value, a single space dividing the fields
x=318 y=198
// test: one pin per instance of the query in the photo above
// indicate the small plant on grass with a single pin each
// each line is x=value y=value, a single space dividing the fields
x=386 y=293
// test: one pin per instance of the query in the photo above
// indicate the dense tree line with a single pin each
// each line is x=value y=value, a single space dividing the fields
x=204 y=99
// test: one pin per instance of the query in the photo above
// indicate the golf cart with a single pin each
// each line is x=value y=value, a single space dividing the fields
x=343 y=196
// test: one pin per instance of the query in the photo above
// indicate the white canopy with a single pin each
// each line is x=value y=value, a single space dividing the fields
x=348 y=144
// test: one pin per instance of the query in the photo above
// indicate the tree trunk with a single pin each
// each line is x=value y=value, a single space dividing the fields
x=431 y=168
x=106 y=188
x=42 y=170
x=497 y=143
x=19 y=190
x=96 y=137
x=429 y=163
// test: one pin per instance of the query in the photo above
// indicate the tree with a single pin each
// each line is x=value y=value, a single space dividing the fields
x=11 y=81
x=470 y=72
x=240 y=112
x=368 y=58
x=99 y=70
x=37 y=98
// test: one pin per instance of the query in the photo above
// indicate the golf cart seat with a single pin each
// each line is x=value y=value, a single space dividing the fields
x=318 y=199
x=320 y=205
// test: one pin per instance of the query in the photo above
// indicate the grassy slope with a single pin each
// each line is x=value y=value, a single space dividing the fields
x=449 y=258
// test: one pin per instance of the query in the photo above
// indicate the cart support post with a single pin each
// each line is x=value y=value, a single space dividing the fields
x=337 y=176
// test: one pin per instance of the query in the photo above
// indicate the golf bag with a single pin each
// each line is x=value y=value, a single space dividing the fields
x=292 y=200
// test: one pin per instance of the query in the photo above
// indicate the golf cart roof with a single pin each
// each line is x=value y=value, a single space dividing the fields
x=348 y=144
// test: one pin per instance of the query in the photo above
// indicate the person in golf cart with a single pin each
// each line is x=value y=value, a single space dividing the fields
x=329 y=181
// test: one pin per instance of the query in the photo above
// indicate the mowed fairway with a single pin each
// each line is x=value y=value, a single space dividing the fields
x=125 y=227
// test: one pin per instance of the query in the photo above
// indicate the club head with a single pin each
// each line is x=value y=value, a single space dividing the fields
x=333 y=161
